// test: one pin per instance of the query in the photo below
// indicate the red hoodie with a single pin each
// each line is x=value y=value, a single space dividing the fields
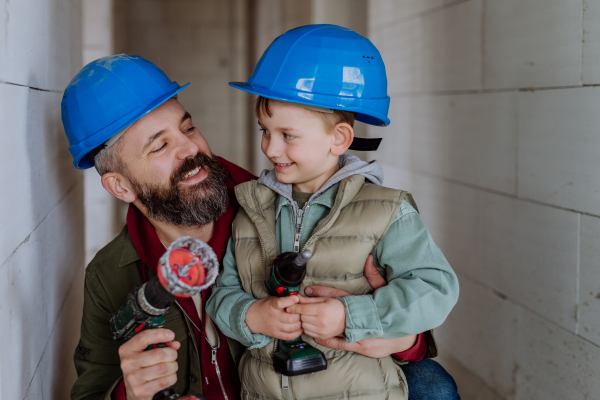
x=149 y=248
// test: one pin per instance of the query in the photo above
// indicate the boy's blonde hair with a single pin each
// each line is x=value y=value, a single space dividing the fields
x=330 y=120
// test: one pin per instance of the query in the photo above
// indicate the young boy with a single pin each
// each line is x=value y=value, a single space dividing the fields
x=331 y=203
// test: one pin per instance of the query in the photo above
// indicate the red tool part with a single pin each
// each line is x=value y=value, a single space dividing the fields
x=186 y=266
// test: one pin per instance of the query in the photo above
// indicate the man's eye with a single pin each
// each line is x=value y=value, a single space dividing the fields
x=191 y=129
x=288 y=137
x=159 y=149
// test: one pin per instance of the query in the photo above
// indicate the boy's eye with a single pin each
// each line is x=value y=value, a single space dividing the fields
x=288 y=137
x=264 y=131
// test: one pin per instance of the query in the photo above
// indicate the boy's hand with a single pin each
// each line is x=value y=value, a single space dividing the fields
x=268 y=316
x=322 y=318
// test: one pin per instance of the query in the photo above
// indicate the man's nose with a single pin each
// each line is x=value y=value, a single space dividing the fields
x=186 y=147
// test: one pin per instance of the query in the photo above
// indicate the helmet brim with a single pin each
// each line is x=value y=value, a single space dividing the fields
x=83 y=161
x=366 y=116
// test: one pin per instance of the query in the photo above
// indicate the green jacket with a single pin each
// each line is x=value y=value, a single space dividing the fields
x=111 y=275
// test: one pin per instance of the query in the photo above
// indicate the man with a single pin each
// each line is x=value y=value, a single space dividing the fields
x=122 y=116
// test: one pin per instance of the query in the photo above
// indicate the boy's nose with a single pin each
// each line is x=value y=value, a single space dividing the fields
x=274 y=148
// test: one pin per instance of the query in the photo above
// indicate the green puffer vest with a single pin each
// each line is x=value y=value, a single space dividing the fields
x=341 y=242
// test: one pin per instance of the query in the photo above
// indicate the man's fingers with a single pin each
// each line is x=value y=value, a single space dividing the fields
x=149 y=358
x=372 y=274
x=149 y=389
x=174 y=344
x=336 y=343
x=284 y=302
x=324 y=291
x=159 y=370
x=145 y=338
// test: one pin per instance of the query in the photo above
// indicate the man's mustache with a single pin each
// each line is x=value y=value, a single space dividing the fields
x=189 y=164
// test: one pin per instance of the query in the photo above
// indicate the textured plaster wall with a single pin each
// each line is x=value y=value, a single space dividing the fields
x=41 y=201
x=202 y=42
x=104 y=214
x=495 y=130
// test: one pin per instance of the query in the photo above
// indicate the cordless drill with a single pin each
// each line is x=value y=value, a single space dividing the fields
x=187 y=267
x=292 y=357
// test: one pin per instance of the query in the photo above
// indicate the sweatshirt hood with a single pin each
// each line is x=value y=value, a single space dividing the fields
x=349 y=165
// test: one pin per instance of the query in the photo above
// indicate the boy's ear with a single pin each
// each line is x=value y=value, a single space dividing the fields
x=119 y=186
x=343 y=137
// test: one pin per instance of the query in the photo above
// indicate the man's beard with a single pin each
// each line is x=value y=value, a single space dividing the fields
x=187 y=205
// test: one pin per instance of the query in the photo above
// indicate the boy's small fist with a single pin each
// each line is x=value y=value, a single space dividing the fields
x=268 y=316
x=322 y=317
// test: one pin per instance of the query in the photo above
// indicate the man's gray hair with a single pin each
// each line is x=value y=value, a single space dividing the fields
x=109 y=160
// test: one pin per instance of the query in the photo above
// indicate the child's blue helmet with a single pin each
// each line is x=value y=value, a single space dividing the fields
x=326 y=66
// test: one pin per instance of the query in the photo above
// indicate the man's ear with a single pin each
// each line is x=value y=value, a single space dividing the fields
x=119 y=186
x=343 y=137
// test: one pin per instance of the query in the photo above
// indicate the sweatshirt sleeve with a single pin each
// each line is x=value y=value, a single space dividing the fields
x=422 y=287
x=229 y=302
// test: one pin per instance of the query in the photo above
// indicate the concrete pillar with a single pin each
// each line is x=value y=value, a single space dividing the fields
x=103 y=213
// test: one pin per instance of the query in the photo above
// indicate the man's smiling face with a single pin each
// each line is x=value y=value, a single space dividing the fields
x=170 y=170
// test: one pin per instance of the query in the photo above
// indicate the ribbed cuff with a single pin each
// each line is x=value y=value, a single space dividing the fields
x=362 y=318
x=237 y=321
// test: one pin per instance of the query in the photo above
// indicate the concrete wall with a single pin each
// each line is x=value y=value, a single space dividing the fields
x=202 y=42
x=104 y=215
x=41 y=203
x=494 y=128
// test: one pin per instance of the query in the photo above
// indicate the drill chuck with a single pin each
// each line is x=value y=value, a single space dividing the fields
x=290 y=268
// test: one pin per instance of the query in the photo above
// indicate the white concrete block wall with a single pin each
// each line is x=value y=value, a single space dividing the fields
x=103 y=213
x=198 y=42
x=495 y=132
x=41 y=206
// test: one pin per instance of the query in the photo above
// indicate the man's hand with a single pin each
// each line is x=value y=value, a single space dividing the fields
x=321 y=317
x=147 y=372
x=268 y=316
x=371 y=273
x=377 y=347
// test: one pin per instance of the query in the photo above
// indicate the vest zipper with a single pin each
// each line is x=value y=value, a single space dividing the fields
x=213 y=358
x=298 y=221
x=286 y=392
x=314 y=234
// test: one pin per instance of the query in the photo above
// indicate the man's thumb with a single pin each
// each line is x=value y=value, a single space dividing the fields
x=372 y=274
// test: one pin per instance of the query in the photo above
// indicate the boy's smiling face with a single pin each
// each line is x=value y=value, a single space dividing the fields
x=298 y=145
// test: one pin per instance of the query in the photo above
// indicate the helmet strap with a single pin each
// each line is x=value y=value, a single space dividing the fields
x=365 y=144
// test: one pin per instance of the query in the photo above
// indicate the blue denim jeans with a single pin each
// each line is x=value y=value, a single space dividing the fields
x=428 y=380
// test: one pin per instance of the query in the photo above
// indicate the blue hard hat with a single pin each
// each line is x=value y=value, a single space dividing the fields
x=326 y=66
x=107 y=96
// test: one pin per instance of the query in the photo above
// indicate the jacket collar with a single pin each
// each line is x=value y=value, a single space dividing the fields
x=129 y=254
x=327 y=199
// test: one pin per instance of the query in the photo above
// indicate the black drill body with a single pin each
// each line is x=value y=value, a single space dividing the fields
x=145 y=308
x=293 y=357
